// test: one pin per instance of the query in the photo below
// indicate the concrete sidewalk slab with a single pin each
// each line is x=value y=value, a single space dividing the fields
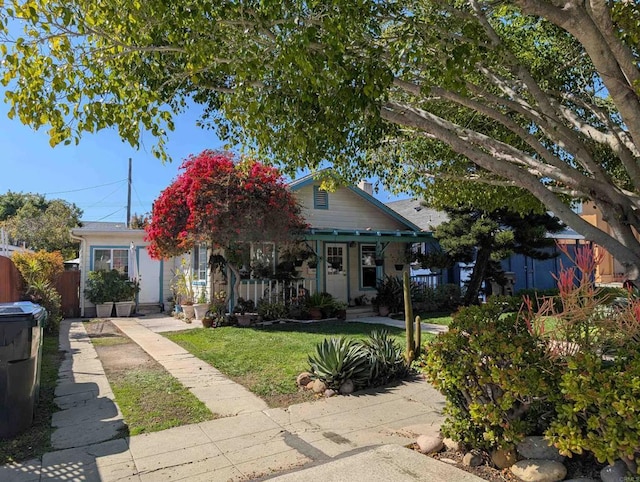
x=383 y=464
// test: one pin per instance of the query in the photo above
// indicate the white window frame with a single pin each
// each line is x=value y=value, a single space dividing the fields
x=125 y=267
x=199 y=262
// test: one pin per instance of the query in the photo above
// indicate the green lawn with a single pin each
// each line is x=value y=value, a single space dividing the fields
x=36 y=440
x=267 y=360
x=437 y=318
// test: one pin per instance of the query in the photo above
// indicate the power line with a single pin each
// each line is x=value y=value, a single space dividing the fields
x=109 y=215
x=84 y=188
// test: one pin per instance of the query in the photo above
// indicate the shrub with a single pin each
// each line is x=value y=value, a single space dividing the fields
x=494 y=375
x=337 y=360
x=446 y=297
x=40 y=271
x=390 y=293
x=386 y=360
x=271 y=311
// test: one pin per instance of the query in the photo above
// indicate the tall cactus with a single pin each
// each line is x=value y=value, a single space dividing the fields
x=417 y=335
x=408 y=319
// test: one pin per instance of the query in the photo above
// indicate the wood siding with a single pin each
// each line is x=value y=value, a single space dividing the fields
x=346 y=210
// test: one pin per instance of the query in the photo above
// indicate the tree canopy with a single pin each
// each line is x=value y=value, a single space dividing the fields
x=39 y=223
x=222 y=204
x=479 y=101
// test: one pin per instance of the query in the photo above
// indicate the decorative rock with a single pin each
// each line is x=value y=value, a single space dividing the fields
x=329 y=393
x=581 y=479
x=614 y=473
x=319 y=386
x=309 y=386
x=303 y=379
x=536 y=447
x=532 y=470
x=502 y=458
x=472 y=459
x=429 y=443
x=346 y=388
x=452 y=444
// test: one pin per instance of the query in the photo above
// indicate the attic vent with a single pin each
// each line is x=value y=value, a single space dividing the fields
x=320 y=198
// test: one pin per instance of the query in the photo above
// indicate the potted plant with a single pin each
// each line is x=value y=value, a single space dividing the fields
x=201 y=306
x=389 y=296
x=183 y=285
x=318 y=304
x=99 y=291
x=125 y=291
x=340 y=310
x=244 y=311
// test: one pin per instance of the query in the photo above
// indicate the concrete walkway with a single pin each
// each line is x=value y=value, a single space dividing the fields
x=329 y=438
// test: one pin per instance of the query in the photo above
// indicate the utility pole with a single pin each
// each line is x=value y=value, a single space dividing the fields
x=129 y=197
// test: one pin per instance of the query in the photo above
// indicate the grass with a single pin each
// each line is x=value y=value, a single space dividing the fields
x=267 y=360
x=152 y=400
x=148 y=396
x=436 y=318
x=36 y=440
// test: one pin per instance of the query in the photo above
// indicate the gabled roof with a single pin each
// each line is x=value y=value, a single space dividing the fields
x=310 y=179
x=420 y=215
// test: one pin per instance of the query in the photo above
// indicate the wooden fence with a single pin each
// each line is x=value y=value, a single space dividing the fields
x=10 y=281
x=68 y=285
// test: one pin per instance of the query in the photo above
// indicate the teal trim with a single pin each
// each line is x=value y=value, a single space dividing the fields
x=346 y=248
x=316 y=191
x=363 y=236
x=161 y=280
x=320 y=263
x=94 y=247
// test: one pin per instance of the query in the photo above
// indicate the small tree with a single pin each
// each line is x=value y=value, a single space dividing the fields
x=223 y=204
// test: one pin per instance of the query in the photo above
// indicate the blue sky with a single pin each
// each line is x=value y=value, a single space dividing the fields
x=93 y=174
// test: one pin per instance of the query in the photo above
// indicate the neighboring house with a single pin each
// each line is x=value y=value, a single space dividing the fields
x=524 y=271
x=109 y=245
x=609 y=270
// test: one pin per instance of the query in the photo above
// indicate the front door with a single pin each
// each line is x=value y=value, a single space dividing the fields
x=149 y=276
x=336 y=270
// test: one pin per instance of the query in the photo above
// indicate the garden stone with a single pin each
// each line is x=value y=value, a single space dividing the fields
x=429 y=443
x=614 y=473
x=346 y=388
x=309 y=386
x=503 y=458
x=329 y=393
x=452 y=444
x=581 y=479
x=472 y=459
x=303 y=379
x=319 y=386
x=536 y=447
x=532 y=470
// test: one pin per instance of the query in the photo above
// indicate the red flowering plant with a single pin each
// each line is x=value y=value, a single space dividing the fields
x=222 y=203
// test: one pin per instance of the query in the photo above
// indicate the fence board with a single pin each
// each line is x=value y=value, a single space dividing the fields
x=68 y=285
x=10 y=281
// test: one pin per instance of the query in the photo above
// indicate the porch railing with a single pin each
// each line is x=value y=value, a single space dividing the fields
x=275 y=291
x=427 y=280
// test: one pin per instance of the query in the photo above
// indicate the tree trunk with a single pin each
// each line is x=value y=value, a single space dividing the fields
x=236 y=283
x=477 y=276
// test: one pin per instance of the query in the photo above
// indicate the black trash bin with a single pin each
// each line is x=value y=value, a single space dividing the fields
x=21 y=326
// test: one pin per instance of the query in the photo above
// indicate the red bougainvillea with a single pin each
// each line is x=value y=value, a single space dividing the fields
x=221 y=203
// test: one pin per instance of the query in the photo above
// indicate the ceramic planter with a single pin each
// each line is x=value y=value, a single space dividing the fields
x=200 y=309
x=207 y=322
x=103 y=310
x=189 y=312
x=383 y=310
x=399 y=267
x=315 y=313
x=124 y=308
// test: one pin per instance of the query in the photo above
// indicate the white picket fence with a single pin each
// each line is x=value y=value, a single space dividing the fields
x=273 y=290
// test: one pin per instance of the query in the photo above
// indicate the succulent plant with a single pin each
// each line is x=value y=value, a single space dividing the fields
x=337 y=360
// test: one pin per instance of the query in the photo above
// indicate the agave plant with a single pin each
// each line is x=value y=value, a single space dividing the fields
x=337 y=360
x=385 y=358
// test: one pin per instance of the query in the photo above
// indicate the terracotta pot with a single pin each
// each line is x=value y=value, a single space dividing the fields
x=341 y=314
x=244 y=320
x=383 y=310
x=207 y=322
x=315 y=313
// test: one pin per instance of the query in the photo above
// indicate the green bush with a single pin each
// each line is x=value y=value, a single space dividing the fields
x=494 y=375
x=339 y=359
x=272 y=311
x=446 y=297
x=390 y=293
x=600 y=409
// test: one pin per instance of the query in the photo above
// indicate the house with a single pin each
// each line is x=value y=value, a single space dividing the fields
x=353 y=240
x=110 y=245
x=523 y=271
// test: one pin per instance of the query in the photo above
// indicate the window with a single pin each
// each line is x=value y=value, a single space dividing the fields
x=199 y=262
x=320 y=198
x=110 y=258
x=368 y=265
x=256 y=260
